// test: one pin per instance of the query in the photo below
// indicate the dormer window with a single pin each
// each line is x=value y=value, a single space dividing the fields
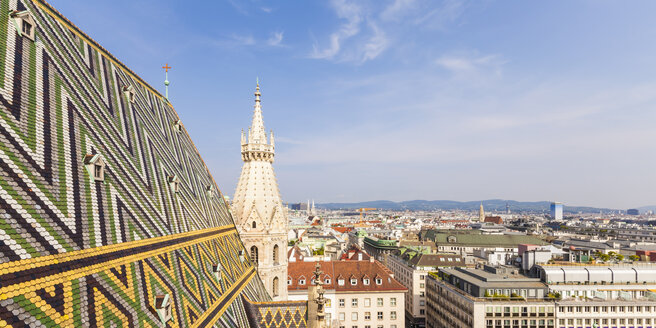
x=327 y=281
x=216 y=269
x=128 y=90
x=177 y=126
x=354 y=281
x=25 y=24
x=95 y=166
x=289 y=281
x=174 y=183
x=379 y=281
x=301 y=281
x=163 y=307
x=241 y=256
x=210 y=191
x=340 y=282
x=365 y=281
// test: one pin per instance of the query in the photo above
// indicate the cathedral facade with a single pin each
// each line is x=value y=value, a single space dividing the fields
x=257 y=207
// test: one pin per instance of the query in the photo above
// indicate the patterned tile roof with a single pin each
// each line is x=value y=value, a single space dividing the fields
x=286 y=314
x=105 y=203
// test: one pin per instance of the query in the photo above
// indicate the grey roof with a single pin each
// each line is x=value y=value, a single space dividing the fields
x=486 y=240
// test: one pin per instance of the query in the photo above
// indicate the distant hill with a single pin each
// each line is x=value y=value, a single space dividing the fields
x=498 y=205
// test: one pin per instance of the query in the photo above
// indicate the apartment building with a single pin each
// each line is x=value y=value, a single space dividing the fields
x=411 y=269
x=359 y=293
x=562 y=297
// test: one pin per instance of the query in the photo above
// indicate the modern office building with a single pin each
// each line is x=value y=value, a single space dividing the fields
x=562 y=297
x=487 y=298
x=557 y=211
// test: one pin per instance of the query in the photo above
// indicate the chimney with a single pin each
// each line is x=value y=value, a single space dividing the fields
x=372 y=259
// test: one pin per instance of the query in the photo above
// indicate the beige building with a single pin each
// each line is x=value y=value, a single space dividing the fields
x=411 y=269
x=358 y=294
x=257 y=207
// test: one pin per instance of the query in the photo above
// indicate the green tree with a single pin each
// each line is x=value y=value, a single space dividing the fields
x=634 y=258
x=619 y=257
x=604 y=257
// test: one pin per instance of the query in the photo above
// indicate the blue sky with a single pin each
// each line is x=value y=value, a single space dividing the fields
x=408 y=99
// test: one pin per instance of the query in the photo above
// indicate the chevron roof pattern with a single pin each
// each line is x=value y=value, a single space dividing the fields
x=105 y=203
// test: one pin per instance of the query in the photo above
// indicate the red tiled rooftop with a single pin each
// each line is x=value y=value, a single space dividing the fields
x=345 y=269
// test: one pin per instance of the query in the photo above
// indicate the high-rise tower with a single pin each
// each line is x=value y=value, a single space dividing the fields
x=257 y=208
x=481 y=214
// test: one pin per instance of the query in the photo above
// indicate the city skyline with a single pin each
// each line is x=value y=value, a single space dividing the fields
x=401 y=100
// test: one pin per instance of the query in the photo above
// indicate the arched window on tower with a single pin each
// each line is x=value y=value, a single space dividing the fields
x=275 y=253
x=254 y=225
x=254 y=254
x=275 y=287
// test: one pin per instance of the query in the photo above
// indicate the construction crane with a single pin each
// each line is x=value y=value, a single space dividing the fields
x=363 y=211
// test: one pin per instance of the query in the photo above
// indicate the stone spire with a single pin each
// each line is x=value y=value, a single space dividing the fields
x=257 y=207
x=257 y=134
x=481 y=213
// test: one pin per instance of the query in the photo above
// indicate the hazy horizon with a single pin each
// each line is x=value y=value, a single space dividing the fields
x=408 y=99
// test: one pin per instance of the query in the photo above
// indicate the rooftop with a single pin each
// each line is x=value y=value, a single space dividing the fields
x=301 y=275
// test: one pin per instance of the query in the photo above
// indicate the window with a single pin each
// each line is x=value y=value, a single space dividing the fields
x=422 y=294
x=422 y=277
x=174 y=183
x=95 y=166
x=275 y=287
x=341 y=302
x=354 y=281
x=340 y=282
x=422 y=303
x=254 y=254
x=216 y=269
x=379 y=281
x=327 y=281
x=422 y=285
x=289 y=281
x=24 y=23
x=128 y=91
x=367 y=316
x=393 y=301
x=379 y=301
x=354 y=302
x=393 y=315
x=354 y=316
x=342 y=316
x=275 y=253
x=380 y=315
x=254 y=225
x=422 y=311
x=367 y=302
x=301 y=281
x=163 y=307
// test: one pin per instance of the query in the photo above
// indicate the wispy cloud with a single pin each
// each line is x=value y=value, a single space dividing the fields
x=353 y=16
x=368 y=29
x=397 y=9
x=439 y=18
x=275 y=39
x=267 y=10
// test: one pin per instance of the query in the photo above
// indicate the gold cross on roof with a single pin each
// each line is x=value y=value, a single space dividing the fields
x=166 y=67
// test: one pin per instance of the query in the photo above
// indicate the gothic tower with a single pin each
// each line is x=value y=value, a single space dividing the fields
x=257 y=207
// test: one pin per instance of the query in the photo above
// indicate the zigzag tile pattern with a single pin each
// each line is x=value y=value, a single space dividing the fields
x=79 y=252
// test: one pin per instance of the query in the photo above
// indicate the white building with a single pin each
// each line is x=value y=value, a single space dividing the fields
x=361 y=294
x=257 y=208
